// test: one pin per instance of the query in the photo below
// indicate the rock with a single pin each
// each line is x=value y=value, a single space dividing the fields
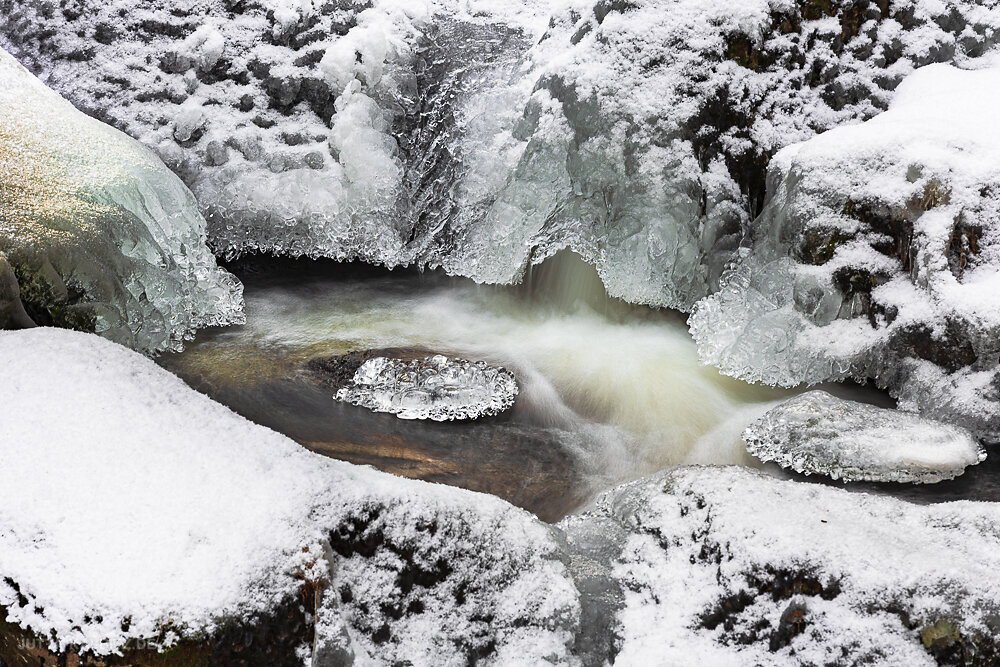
x=12 y=313
x=100 y=235
x=816 y=433
x=722 y=564
x=435 y=387
x=877 y=257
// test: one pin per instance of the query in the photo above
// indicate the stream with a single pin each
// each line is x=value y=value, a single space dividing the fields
x=609 y=391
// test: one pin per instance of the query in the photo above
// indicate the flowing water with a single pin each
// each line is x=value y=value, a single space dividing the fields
x=609 y=392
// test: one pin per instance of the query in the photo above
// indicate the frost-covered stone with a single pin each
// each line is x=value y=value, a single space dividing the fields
x=816 y=433
x=726 y=566
x=878 y=256
x=436 y=388
x=482 y=136
x=100 y=235
x=137 y=514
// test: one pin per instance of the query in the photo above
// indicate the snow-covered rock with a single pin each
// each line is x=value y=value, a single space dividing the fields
x=137 y=514
x=644 y=143
x=878 y=256
x=436 y=388
x=816 y=433
x=100 y=235
x=726 y=566
x=479 y=136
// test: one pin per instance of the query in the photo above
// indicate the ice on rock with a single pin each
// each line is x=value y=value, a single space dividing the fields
x=878 y=256
x=486 y=136
x=816 y=433
x=134 y=510
x=436 y=388
x=102 y=236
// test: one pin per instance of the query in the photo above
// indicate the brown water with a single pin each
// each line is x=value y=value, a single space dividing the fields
x=609 y=392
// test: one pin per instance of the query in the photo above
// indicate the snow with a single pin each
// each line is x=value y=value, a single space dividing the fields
x=908 y=204
x=871 y=572
x=484 y=136
x=127 y=495
x=88 y=211
x=436 y=388
x=818 y=433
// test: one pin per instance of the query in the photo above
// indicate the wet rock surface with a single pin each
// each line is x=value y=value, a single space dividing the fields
x=816 y=433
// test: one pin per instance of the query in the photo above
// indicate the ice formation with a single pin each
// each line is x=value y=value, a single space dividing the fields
x=100 y=234
x=816 y=433
x=135 y=510
x=484 y=136
x=878 y=256
x=726 y=566
x=436 y=388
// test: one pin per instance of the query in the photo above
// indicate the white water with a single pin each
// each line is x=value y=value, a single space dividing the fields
x=626 y=382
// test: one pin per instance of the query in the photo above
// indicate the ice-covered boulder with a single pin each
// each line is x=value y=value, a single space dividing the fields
x=100 y=234
x=878 y=256
x=484 y=136
x=726 y=566
x=816 y=433
x=436 y=388
x=137 y=514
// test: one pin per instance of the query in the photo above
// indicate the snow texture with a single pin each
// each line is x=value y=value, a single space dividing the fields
x=726 y=566
x=819 y=433
x=878 y=256
x=101 y=235
x=436 y=388
x=486 y=136
x=134 y=508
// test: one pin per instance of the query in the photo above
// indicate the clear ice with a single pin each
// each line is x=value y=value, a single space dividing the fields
x=816 y=433
x=436 y=388
x=103 y=234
